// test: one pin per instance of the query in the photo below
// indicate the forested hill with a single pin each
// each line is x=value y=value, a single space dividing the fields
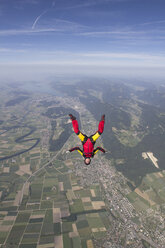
x=135 y=122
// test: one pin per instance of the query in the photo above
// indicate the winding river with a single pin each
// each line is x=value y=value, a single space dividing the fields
x=21 y=140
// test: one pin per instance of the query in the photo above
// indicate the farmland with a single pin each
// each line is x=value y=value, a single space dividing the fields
x=42 y=202
x=150 y=192
x=70 y=214
x=49 y=198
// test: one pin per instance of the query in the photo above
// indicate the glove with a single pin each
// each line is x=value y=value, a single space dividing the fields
x=72 y=117
x=103 y=118
x=67 y=151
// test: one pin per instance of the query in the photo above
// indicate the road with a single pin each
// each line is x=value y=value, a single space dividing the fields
x=32 y=175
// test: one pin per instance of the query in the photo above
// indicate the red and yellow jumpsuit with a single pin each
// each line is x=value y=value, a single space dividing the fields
x=88 y=142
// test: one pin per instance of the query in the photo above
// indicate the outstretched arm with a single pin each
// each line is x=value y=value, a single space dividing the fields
x=76 y=149
x=99 y=149
x=100 y=129
x=76 y=127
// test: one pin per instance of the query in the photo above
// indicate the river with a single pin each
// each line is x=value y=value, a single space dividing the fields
x=21 y=140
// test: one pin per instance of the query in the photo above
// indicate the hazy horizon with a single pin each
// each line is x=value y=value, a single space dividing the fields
x=120 y=38
x=44 y=73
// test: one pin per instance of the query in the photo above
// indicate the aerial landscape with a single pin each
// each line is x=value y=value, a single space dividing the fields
x=50 y=198
x=88 y=59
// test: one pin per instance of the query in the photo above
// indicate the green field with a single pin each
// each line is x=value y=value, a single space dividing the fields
x=153 y=186
x=39 y=204
x=32 y=223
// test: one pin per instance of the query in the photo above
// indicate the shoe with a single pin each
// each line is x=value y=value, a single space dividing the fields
x=103 y=118
x=72 y=117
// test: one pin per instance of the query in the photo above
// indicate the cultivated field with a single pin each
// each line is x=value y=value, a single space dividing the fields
x=43 y=207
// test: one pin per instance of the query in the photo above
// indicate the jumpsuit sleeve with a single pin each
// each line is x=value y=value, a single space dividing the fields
x=99 y=149
x=99 y=132
x=76 y=149
x=77 y=131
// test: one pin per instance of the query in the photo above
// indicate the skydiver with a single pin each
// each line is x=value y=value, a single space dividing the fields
x=88 y=143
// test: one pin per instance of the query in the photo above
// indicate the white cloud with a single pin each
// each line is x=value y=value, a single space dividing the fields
x=106 y=58
x=153 y=22
x=87 y=3
x=139 y=56
x=10 y=32
x=38 y=18
x=115 y=32
x=86 y=58
x=52 y=26
x=8 y=50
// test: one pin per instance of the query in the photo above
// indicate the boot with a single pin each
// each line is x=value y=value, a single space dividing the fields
x=103 y=118
x=72 y=117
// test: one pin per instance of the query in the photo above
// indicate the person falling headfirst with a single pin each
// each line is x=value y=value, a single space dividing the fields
x=87 y=142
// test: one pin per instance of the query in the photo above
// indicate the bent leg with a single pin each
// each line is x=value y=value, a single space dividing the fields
x=77 y=131
x=75 y=126
x=99 y=132
x=101 y=127
x=95 y=136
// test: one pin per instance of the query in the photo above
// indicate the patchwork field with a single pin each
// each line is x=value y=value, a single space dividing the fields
x=150 y=192
x=42 y=203
x=56 y=211
x=48 y=198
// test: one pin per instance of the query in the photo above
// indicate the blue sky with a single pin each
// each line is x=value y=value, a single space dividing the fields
x=81 y=32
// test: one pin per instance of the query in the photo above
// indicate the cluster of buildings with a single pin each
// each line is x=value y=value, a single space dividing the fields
x=123 y=228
